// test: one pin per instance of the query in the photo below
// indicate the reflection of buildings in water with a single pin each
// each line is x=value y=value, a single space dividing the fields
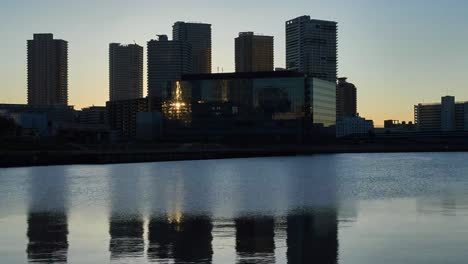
x=312 y=237
x=126 y=224
x=447 y=204
x=126 y=235
x=255 y=239
x=161 y=235
x=47 y=217
x=47 y=234
x=182 y=238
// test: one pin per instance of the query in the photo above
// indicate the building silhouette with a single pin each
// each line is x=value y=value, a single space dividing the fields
x=255 y=239
x=125 y=71
x=198 y=35
x=346 y=99
x=311 y=47
x=253 y=53
x=261 y=105
x=47 y=70
x=447 y=116
x=167 y=62
x=122 y=116
x=93 y=115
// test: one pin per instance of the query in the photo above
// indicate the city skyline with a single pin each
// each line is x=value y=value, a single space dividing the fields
x=390 y=57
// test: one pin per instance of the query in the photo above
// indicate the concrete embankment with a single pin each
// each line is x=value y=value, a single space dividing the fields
x=45 y=158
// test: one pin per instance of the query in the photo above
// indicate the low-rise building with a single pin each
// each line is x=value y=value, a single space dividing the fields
x=354 y=126
x=94 y=115
x=41 y=120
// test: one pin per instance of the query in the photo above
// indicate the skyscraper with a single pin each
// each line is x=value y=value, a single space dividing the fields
x=346 y=99
x=125 y=72
x=167 y=61
x=253 y=52
x=311 y=47
x=47 y=70
x=198 y=35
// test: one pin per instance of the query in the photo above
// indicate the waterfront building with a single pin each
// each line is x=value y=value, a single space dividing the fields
x=93 y=115
x=47 y=70
x=311 y=47
x=253 y=53
x=55 y=114
x=198 y=35
x=276 y=104
x=346 y=99
x=448 y=115
x=354 y=126
x=167 y=62
x=123 y=116
x=125 y=71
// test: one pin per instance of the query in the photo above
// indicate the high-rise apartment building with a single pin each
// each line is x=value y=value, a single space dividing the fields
x=448 y=115
x=311 y=47
x=346 y=99
x=125 y=72
x=47 y=70
x=167 y=62
x=253 y=53
x=198 y=35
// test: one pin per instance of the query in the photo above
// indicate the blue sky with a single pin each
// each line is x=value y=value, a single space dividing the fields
x=398 y=53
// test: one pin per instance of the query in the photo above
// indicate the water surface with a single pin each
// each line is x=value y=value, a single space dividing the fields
x=350 y=208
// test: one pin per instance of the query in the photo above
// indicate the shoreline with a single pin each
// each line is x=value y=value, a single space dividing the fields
x=31 y=158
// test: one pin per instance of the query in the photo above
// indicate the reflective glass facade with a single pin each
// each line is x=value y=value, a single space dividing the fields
x=323 y=102
x=265 y=102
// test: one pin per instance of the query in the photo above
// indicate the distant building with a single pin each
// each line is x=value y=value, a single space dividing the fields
x=31 y=123
x=311 y=47
x=445 y=116
x=253 y=53
x=123 y=116
x=125 y=72
x=397 y=125
x=167 y=62
x=346 y=99
x=94 y=115
x=353 y=126
x=33 y=116
x=149 y=126
x=448 y=118
x=198 y=35
x=283 y=104
x=47 y=70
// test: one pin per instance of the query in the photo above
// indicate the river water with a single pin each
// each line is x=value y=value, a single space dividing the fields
x=348 y=208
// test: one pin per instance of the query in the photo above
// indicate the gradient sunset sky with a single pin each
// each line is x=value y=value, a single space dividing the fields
x=397 y=52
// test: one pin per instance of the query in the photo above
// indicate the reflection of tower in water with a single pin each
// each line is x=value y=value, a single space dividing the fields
x=186 y=239
x=255 y=239
x=47 y=234
x=161 y=234
x=126 y=220
x=312 y=237
x=126 y=233
x=47 y=217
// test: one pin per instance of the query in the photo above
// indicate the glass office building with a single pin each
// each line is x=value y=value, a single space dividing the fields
x=261 y=103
